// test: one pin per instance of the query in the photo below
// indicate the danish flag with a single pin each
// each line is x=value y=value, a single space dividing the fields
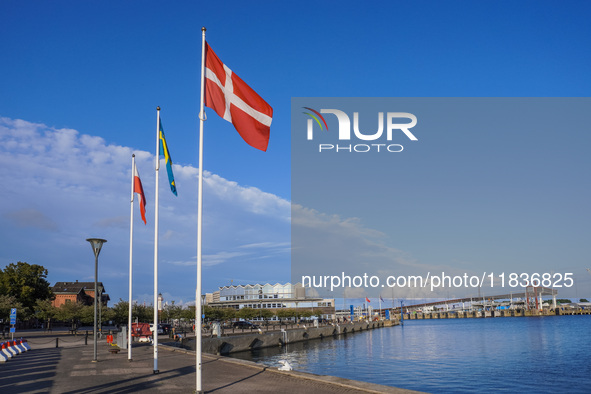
x=232 y=99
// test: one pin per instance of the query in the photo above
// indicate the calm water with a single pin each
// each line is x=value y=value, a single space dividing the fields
x=545 y=354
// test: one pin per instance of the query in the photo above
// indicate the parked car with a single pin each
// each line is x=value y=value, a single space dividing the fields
x=245 y=324
x=166 y=328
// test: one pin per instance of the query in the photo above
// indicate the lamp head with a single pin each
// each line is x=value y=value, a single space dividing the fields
x=96 y=244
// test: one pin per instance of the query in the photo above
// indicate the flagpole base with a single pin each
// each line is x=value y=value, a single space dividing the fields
x=156 y=372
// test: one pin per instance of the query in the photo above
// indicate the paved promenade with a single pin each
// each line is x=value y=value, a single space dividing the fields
x=70 y=369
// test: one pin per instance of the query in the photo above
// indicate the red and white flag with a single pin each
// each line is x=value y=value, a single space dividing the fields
x=137 y=188
x=232 y=99
x=367 y=299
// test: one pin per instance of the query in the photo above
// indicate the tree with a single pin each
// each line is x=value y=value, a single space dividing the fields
x=266 y=313
x=142 y=313
x=86 y=316
x=216 y=313
x=286 y=313
x=26 y=283
x=188 y=313
x=71 y=312
x=171 y=312
x=306 y=314
x=247 y=313
x=45 y=311
x=109 y=315
x=6 y=303
x=583 y=300
x=563 y=301
x=120 y=312
x=228 y=313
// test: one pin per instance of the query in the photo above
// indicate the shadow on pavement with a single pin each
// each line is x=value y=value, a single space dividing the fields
x=29 y=372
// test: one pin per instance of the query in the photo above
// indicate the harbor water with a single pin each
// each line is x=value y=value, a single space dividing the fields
x=511 y=354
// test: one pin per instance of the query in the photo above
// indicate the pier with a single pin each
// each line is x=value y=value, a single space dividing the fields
x=525 y=304
x=493 y=313
x=240 y=343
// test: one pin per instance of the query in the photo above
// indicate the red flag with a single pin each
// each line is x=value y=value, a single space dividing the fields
x=367 y=299
x=137 y=188
x=232 y=99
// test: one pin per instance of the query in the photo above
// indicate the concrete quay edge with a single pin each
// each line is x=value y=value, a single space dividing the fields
x=333 y=380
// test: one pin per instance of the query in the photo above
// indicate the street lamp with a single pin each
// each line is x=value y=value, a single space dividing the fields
x=96 y=244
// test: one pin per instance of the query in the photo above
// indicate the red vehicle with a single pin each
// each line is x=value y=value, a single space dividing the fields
x=140 y=330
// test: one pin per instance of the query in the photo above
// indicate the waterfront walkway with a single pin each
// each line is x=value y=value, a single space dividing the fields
x=71 y=370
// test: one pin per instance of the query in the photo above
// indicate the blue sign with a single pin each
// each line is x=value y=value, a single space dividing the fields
x=12 y=320
x=12 y=330
x=387 y=314
x=13 y=313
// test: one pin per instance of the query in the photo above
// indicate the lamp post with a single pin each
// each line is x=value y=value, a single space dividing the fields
x=100 y=310
x=96 y=244
x=160 y=306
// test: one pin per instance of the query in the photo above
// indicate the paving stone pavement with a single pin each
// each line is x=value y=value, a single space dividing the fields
x=71 y=370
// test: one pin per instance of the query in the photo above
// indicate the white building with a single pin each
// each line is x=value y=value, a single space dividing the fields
x=272 y=297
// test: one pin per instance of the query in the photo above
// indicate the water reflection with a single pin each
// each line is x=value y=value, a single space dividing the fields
x=455 y=355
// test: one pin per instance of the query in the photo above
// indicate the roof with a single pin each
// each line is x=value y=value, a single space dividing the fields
x=75 y=287
x=257 y=285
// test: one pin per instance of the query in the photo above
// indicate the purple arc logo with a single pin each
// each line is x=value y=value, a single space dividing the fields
x=316 y=117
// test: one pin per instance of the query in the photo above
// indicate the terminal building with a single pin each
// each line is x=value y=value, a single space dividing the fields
x=273 y=297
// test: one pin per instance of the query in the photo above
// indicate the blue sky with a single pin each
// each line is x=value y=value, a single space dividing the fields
x=81 y=81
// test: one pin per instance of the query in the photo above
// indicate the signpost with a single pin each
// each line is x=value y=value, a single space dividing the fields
x=12 y=321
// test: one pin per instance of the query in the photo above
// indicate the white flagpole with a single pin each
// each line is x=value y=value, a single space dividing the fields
x=155 y=335
x=380 y=313
x=129 y=320
x=199 y=223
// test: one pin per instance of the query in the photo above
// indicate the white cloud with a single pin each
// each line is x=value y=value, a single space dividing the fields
x=68 y=186
x=65 y=186
x=329 y=245
x=251 y=198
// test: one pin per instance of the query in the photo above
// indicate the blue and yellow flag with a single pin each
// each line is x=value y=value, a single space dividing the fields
x=164 y=152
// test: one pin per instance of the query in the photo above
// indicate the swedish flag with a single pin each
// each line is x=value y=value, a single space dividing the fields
x=164 y=152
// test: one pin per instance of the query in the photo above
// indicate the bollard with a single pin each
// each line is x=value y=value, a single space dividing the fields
x=86 y=338
x=57 y=342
